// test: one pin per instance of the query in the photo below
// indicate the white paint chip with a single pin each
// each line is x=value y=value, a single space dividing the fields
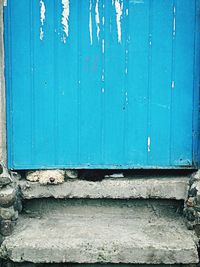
x=119 y=10
x=103 y=46
x=174 y=22
x=5 y=3
x=149 y=144
x=65 y=18
x=126 y=94
x=103 y=75
x=42 y=18
x=97 y=18
x=135 y=2
x=90 y=23
x=103 y=20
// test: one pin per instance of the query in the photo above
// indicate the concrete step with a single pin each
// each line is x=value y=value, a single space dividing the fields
x=101 y=231
x=163 y=187
x=28 y=264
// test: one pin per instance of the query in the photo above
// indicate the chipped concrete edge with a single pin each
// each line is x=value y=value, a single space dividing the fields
x=121 y=188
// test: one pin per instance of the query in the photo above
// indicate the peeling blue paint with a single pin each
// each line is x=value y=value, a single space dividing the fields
x=111 y=83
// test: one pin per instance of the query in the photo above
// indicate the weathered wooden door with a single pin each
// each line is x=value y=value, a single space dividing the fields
x=102 y=83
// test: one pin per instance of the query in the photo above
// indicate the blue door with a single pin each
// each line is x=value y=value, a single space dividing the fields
x=102 y=83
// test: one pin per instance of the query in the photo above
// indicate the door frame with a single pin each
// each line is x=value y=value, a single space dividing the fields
x=196 y=96
x=3 y=149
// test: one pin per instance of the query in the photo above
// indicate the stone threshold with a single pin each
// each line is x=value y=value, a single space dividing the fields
x=161 y=187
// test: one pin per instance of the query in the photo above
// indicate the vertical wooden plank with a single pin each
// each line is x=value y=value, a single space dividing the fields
x=67 y=84
x=6 y=16
x=44 y=84
x=136 y=135
x=18 y=82
x=55 y=90
x=103 y=28
x=196 y=96
x=32 y=82
x=79 y=10
x=161 y=83
x=114 y=81
x=90 y=82
x=182 y=93
x=126 y=81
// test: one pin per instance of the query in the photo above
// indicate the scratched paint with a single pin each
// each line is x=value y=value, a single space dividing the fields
x=137 y=2
x=65 y=18
x=97 y=18
x=118 y=5
x=149 y=143
x=103 y=46
x=136 y=115
x=90 y=22
x=5 y=3
x=118 y=9
x=126 y=98
x=42 y=18
x=174 y=37
x=174 y=22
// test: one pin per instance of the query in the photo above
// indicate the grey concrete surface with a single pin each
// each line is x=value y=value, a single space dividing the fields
x=139 y=232
x=26 y=264
x=133 y=187
x=2 y=93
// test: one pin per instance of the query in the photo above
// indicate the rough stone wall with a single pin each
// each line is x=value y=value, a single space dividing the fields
x=192 y=204
x=10 y=203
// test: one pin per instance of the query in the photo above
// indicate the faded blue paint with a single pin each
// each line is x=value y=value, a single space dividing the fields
x=123 y=96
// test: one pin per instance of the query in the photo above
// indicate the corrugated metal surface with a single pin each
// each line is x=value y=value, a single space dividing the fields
x=102 y=83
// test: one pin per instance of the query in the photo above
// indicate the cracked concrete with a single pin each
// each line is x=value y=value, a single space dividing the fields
x=92 y=231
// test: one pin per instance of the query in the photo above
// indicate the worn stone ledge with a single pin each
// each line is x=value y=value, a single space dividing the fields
x=99 y=231
x=28 y=264
x=123 y=188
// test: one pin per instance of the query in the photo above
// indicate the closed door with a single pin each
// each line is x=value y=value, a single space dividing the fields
x=102 y=83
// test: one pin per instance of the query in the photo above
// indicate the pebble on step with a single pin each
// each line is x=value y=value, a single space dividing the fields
x=71 y=174
x=7 y=196
x=5 y=178
x=6 y=227
x=8 y=214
